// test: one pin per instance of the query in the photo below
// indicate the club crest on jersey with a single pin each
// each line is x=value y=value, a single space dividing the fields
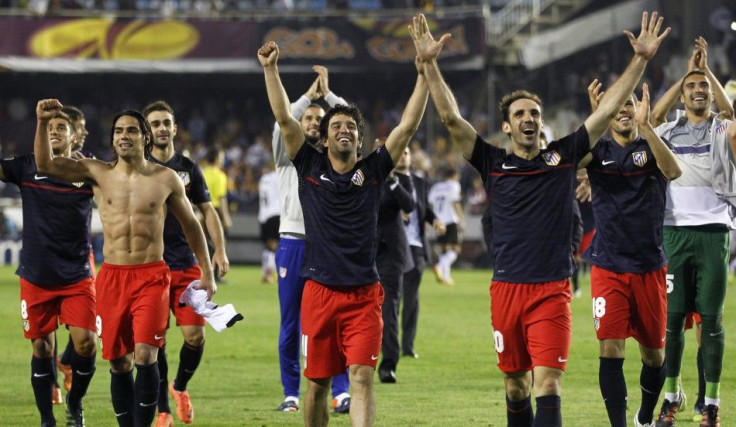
x=78 y=184
x=640 y=158
x=358 y=178
x=552 y=158
x=184 y=177
x=720 y=128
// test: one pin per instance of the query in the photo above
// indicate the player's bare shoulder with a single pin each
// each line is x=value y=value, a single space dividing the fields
x=164 y=176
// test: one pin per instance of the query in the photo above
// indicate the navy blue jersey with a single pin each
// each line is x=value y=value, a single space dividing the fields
x=628 y=204
x=56 y=218
x=531 y=207
x=340 y=216
x=177 y=253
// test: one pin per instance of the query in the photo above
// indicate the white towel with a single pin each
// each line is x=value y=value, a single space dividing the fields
x=219 y=317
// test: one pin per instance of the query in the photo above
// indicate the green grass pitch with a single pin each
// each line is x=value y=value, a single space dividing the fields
x=455 y=381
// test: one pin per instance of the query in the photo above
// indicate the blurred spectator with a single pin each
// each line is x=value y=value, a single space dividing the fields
x=8 y=228
x=476 y=197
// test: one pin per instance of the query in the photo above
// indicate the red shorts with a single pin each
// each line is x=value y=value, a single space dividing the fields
x=341 y=326
x=692 y=318
x=532 y=324
x=630 y=305
x=42 y=308
x=180 y=279
x=132 y=303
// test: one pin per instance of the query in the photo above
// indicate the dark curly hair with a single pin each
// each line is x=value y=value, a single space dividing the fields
x=347 y=110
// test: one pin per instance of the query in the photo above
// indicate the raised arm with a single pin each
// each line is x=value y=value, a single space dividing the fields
x=291 y=130
x=182 y=210
x=462 y=133
x=666 y=160
x=400 y=136
x=665 y=103
x=60 y=167
x=723 y=103
x=645 y=46
x=216 y=233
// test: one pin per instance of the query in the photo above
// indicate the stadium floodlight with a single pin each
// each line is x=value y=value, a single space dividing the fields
x=733 y=25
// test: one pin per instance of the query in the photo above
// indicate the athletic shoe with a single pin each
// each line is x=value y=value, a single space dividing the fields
x=698 y=411
x=184 y=409
x=638 y=423
x=56 y=395
x=289 y=406
x=66 y=371
x=448 y=281
x=164 y=419
x=343 y=407
x=48 y=423
x=669 y=410
x=711 y=417
x=438 y=273
x=75 y=417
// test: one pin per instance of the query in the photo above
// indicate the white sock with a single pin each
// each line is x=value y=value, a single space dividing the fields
x=450 y=257
x=271 y=261
x=264 y=262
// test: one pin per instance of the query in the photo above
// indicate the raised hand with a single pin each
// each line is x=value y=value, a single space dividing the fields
x=702 y=46
x=595 y=94
x=649 y=39
x=694 y=61
x=323 y=78
x=46 y=109
x=314 y=92
x=642 y=107
x=268 y=54
x=427 y=47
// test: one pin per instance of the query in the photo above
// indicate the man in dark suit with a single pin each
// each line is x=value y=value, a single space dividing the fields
x=392 y=259
x=414 y=229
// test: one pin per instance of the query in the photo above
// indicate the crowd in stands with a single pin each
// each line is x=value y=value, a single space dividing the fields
x=242 y=125
x=169 y=8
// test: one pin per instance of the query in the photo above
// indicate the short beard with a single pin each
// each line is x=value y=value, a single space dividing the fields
x=700 y=111
x=314 y=142
x=626 y=133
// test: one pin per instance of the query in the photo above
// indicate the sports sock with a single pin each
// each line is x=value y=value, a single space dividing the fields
x=672 y=384
x=651 y=380
x=163 y=382
x=264 y=262
x=701 y=378
x=66 y=356
x=519 y=413
x=449 y=258
x=712 y=341
x=340 y=384
x=548 y=412
x=673 y=348
x=272 y=261
x=189 y=358
x=83 y=369
x=146 y=393
x=613 y=389
x=42 y=371
x=121 y=390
